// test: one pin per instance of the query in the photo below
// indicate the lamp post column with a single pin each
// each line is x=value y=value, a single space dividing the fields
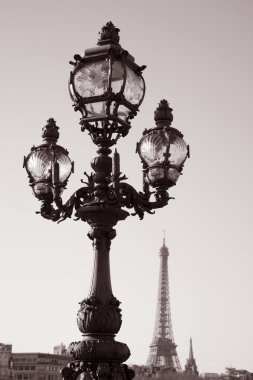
x=98 y=355
x=99 y=317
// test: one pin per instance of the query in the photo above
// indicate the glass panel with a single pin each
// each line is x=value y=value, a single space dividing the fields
x=112 y=107
x=178 y=152
x=117 y=78
x=161 y=175
x=41 y=189
x=96 y=109
x=40 y=162
x=155 y=174
x=92 y=79
x=134 y=88
x=123 y=112
x=153 y=148
x=173 y=175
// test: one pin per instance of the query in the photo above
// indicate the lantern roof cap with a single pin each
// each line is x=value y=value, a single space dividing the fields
x=109 y=34
x=163 y=113
x=50 y=132
x=108 y=45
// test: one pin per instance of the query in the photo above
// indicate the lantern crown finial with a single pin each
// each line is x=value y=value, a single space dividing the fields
x=50 y=133
x=163 y=114
x=109 y=34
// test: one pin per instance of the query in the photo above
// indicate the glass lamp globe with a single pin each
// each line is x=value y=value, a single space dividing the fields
x=48 y=165
x=106 y=85
x=162 y=150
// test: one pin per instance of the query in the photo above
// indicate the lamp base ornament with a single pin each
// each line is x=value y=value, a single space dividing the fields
x=99 y=350
x=78 y=370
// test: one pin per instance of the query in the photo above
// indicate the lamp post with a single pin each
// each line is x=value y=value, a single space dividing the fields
x=107 y=87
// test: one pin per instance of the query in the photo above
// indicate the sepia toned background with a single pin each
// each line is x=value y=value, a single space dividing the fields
x=199 y=57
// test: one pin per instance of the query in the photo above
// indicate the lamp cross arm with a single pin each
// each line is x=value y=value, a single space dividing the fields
x=140 y=201
x=64 y=211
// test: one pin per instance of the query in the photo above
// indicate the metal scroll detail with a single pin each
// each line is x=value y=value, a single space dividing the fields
x=124 y=196
x=106 y=187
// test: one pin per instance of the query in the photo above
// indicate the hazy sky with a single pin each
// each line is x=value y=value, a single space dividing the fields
x=199 y=57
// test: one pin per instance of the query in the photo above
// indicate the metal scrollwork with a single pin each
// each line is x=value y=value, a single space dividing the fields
x=78 y=370
x=115 y=193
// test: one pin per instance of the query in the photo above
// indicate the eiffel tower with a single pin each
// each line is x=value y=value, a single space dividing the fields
x=163 y=348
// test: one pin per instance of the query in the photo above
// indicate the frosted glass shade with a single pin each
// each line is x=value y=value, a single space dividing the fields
x=134 y=89
x=163 y=153
x=92 y=79
x=154 y=147
x=40 y=162
x=106 y=90
x=45 y=166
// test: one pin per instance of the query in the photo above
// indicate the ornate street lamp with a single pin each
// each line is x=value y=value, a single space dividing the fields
x=107 y=88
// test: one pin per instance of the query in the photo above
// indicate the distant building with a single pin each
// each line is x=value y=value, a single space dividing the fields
x=60 y=349
x=32 y=366
x=6 y=361
x=211 y=375
x=231 y=374
x=191 y=366
x=239 y=374
x=161 y=373
x=38 y=366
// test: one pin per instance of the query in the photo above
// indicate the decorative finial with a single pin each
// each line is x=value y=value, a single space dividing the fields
x=109 y=34
x=164 y=238
x=50 y=133
x=163 y=114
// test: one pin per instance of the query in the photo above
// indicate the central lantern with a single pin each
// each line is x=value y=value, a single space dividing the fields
x=107 y=87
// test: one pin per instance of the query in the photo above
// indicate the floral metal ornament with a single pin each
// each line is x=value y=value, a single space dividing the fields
x=109 y=34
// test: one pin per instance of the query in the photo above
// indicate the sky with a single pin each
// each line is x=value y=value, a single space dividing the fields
x=199 y=57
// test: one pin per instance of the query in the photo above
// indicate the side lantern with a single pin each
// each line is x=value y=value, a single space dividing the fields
x=48 y=165
x=162 y=150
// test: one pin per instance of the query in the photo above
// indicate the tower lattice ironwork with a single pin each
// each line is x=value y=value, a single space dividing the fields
x=163 y=348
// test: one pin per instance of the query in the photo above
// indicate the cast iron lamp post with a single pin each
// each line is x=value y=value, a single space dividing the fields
x=107 y=87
